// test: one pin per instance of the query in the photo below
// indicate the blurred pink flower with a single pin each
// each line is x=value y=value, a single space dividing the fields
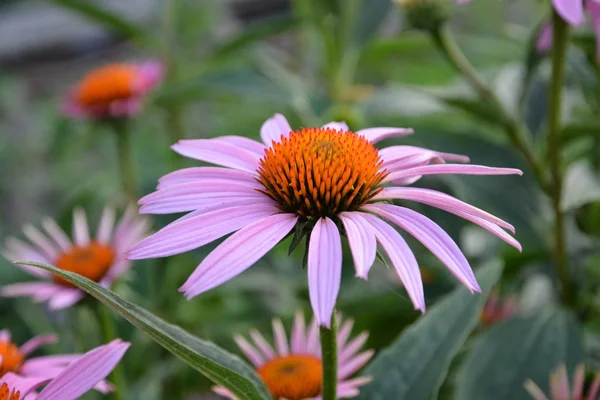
x=560 y=388
x=81 y=375
x=498 y=309
x=330 y=178
x=113 y=91
x=294 y=370
x=101 y=259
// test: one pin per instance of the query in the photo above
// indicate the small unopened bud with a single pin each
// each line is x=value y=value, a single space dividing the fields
x=424 y=15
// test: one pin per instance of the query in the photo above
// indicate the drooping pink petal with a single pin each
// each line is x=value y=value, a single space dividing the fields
x=298 y=334
x=324 y=269
x=240 y=251
x=570 y=10
x=393 y=154
x=36 y=342
x=262 y=344
x=40 y=240
x=444 y=169
x=57 y=234
x=281 y=342
x=338 y=126
x=218 y=153
x=245 y=143
x=492 y=228
x=249 y=351
x=202 y=174
x=361 y=239
x=81 y=232
x=106 y=225
x=402 y=259
x=375 y=135
x=432 y=236
x=194 y=232
x=274 y=128
x=83 y=374
x=439 y=200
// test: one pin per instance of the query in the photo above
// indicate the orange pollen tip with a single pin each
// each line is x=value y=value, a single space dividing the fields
x=92 y=261
x=7 y=394
x=107 y=84
x=11 y=358
x=293 y=377
x=320 y=172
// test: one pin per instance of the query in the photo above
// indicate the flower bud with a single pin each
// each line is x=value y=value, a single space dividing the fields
x=424 y=15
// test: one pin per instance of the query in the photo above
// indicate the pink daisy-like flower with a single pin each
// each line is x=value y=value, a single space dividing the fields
x=293 y=371
x=560 y=388
x=101 y=259
x=81 y=375
x=114 y=90
x=329 y=179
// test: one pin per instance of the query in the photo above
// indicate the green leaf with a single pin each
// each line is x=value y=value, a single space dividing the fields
x=522 y=348
x=371 y=15
x=103 y=16
x=581 y=186
x=477 y=108
x=414 y=367
x=580 y=130
x=218 y=365
x=533 y=59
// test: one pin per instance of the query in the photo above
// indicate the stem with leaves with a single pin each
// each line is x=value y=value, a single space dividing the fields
x=559 y=52
x=330 y=360
x=120 y=127
x=446 y=43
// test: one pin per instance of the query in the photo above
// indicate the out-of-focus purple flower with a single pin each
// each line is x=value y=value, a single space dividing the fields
x=113 y=91
x=560 y=388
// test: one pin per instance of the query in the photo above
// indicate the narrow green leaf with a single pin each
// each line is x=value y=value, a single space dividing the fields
x=580 y=130
x=218 y=365
x=111 y=20
x=299 y=233
x=521 y=348
x=414 y=367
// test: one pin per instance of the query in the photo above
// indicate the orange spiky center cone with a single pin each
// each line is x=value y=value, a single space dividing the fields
x=11 y=359
x=106 y=84
x=7 y=394
x=92 y=261
x=293 y=377
x=320 y=172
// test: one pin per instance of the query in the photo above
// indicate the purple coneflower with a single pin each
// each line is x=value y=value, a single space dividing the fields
x=101 y=259
x=328 y=179
x=293 y=370
x=72 y=382
x=560 y=388
x=114 y=90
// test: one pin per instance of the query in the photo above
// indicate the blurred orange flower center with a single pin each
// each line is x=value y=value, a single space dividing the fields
x=292 y=377
x=11 y=358
x=91 y=261
x=7 y=394
x=106 y=84
x=319 y=172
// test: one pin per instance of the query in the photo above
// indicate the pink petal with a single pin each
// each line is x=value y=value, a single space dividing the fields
x=150 y=74
x=312 y=339
x=57 y=234
x=350 y=349
x=200 y=206
x=81 y=232
x=393 y=154
x=238 y=252
x=578 y=381
x=194 y=232
x=545 y=38
x=361 y=239
x=431 y=236
x=349 y=388
x=280 y=337
x=450 y=169
x=249 y=351
x=351 y=366
x=106 y=225
x=219 y=153
x=571 y=11
x=440 y=200
x=40 y=240
x=221 y=391
x=39 y=291
x=595 y=388
x=262 y=344
x=4 y=335
x=338 y=126
x=245 y=143
x=274 y=128
x=375 y=135
x=204 y=173
x=17 y=250
x=23 y=384
x=299 y=334
x=83 y=374
x=65 y=298
x=34 y=343
x=344 y=332
x=492 y=228
x=402 y=259
x=559 y=383
x=324 y=269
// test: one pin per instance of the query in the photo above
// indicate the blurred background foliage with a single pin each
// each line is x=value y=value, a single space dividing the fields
x=231 y=65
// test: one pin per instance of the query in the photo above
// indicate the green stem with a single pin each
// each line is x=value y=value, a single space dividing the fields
x=126 y=159
x=109 y=332
x=329 y=359
x=444 y=40
x=559 y=53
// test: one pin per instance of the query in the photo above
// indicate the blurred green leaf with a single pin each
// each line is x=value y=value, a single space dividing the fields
x=111 y=20
x=221 y=367
x=522 y=348
x=414 y=367
x=578 y=130
x=533 y=59
x=581 y=186
x=371 y=15
x=477 y=108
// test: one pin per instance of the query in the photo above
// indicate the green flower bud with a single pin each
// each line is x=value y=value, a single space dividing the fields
x=427 y=15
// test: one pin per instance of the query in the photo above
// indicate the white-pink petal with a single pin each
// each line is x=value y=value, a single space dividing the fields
x=445 y=169
x=338 y=126
x=361 y=239
x=40 y=240
x=324 y=269
x=81 y=231
x=218 y=153
x=274 y=128
x=281 y=342
x=36 y=342
x=57 y=234
x=203 y=174
x=245 y=143
x=249 y=351
x=375 y=135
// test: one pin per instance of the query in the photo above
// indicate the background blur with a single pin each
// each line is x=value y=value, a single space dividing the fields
x=231 y=65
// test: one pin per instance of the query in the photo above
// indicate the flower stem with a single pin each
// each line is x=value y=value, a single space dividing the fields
x=109 y=332
x=329 y=359
x=444 y=40
x=559 y=53
x=126 y=159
